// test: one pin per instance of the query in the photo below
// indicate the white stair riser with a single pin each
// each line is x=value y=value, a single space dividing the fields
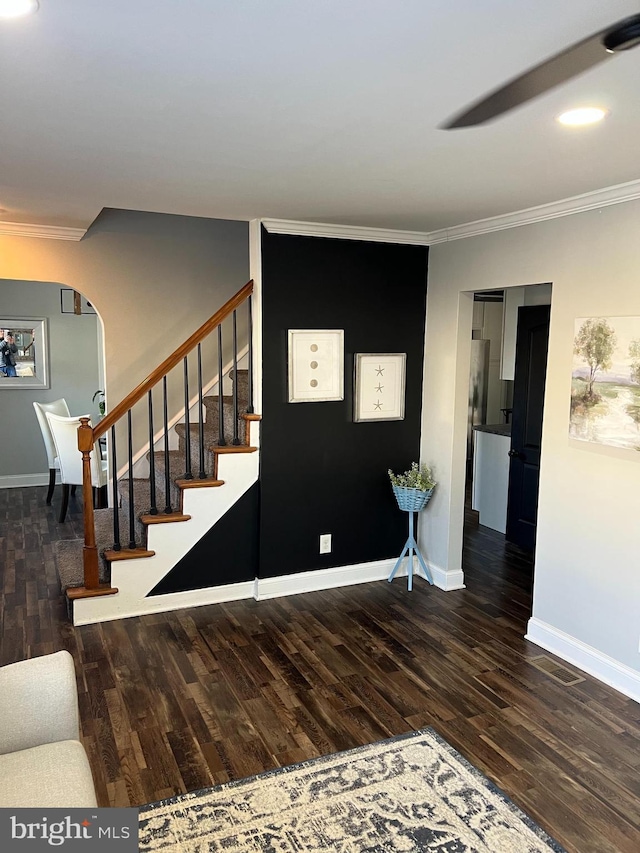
x=136 y=578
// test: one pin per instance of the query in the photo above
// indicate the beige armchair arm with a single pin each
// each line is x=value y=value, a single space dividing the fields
x=38 y=702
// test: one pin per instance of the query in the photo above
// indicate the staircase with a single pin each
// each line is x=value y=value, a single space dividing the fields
x=162 y=516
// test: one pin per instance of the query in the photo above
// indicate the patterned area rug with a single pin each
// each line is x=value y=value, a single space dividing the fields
x=413 y=792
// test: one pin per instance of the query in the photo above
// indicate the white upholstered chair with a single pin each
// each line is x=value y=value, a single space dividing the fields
x=56 y=407
x=65 y=438
x=42 y=761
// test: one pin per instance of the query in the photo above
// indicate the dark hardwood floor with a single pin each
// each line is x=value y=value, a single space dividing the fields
x=179 y=701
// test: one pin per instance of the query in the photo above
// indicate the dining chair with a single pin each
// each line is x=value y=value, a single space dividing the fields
x=65 y=437
x=57 y=407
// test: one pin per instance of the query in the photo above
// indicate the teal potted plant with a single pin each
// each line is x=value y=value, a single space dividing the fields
x=101 y=404
x=414 y=488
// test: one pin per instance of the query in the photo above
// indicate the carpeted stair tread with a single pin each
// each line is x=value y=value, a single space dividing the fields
x=210 y=443
x=141 y=494
x=176 y=472
x=210 y=437
x=210 y=424
x=242 y=379
x=68 y=558
x=212 y=402
x=68 y=552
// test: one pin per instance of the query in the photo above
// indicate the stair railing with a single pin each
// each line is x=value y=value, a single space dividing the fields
x=210 y=331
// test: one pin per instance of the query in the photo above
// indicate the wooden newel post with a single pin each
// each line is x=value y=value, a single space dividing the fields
x=90 y=552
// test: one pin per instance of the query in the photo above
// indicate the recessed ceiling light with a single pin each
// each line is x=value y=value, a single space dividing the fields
x=17 y=8
x=583 y=115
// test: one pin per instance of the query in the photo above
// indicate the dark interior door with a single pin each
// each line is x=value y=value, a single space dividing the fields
x=526 y=426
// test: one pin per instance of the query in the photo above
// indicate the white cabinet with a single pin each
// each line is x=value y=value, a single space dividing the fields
x=491 y=476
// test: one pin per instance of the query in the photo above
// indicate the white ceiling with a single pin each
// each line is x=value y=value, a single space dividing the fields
x=316 y=110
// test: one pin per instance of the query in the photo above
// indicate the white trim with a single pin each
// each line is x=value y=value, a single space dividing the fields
x=596 y=663
x=345 y=232
x=553 y=210
x=255 y=271
x=50 y=232
x=128 y=602
x=337 y=576
x=171 y=601
x=604 y=197
x=592 y=200
x=19 y=481
x=447 y=580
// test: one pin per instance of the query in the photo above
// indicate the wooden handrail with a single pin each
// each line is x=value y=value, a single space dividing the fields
x=170 y=362
x=88 y=436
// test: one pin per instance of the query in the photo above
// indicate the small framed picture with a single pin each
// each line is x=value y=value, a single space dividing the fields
x=24 y=361
x=316 y=365
x=379 y=380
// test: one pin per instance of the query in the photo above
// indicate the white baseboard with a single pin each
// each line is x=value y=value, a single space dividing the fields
x=18 y=481
x=338 y=576
x=162 y=603
x=323 y=579
x=447 y=580
x=125 y=604
x=617 y=675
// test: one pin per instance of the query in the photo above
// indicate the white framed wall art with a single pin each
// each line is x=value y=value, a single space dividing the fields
x=31 y=356
x=379 y=380
x=315 y=365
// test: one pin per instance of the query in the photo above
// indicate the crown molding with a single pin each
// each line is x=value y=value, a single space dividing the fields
x=593 y=200
x=49 y=232
x=344 y=232
x=553 y=210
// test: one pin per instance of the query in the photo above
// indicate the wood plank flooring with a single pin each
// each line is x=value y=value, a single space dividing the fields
x=179 y=701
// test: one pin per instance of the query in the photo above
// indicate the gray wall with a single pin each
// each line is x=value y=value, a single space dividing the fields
x=153 y=278
x=587 y=568
x=73 y=373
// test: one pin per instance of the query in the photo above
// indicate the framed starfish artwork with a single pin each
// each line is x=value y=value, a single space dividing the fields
x=379 y=386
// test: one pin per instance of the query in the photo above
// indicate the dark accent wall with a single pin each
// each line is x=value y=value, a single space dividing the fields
x=320 y=471
x=228 y=553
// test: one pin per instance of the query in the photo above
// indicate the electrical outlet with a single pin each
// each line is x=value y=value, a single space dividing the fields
x=325 y=543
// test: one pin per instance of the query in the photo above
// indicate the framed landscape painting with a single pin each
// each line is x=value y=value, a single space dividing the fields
x=605 y=381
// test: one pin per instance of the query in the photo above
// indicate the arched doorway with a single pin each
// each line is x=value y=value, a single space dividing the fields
x=68 y=362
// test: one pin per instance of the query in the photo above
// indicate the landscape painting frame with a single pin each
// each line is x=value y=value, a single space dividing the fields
x=605 y=382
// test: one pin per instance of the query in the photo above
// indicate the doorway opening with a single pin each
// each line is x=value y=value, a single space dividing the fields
x=506 y=406
x=59 y=355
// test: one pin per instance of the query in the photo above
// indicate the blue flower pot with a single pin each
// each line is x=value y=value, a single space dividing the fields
x=411 y=500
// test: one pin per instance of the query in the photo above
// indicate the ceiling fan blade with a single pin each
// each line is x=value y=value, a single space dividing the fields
x=552 y=72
